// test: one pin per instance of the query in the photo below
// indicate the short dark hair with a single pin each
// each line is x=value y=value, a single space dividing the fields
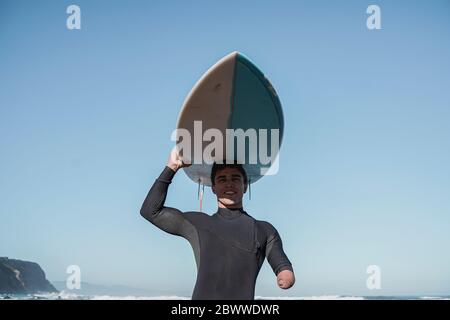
x=219 y=166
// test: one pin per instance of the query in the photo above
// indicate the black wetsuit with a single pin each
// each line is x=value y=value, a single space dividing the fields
x=229 y=246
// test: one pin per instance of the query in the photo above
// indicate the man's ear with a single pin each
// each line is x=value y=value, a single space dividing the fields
x=245 y=187
x=213 y=189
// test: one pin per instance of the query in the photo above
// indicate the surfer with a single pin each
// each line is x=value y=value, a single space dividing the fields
x=229 y=246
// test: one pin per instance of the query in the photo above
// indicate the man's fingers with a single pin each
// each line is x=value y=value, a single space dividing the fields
x=182 y=164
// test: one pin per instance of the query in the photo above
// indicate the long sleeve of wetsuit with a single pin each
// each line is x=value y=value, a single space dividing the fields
x=275 y=254
x=168 y=219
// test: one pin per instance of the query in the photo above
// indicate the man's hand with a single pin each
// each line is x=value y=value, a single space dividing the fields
x=285 y=279
x=174 y=162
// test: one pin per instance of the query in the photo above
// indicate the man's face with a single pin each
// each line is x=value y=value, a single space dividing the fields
x=229 y=187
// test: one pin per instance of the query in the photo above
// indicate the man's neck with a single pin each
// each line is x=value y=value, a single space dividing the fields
x=231 y=207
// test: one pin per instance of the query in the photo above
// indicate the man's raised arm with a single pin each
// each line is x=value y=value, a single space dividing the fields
x=168 y=219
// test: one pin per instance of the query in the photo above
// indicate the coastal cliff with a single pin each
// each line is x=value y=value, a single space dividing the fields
x=22 y=277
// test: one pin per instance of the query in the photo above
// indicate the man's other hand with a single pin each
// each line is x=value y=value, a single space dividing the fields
x=285 y=279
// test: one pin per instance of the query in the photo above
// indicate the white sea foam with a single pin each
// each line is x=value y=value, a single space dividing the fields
x=71 y=296
x=106 y=297
x=311 y=298
x=434 y=298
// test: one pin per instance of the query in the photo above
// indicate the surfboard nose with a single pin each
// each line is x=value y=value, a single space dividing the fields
x=234 y=53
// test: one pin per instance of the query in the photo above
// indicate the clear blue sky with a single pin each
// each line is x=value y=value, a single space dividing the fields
x=86 y=117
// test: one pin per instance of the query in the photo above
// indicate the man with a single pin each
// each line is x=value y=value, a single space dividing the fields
x=229 y=246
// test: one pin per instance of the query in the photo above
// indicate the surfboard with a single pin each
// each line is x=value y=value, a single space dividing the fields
x=233 y=94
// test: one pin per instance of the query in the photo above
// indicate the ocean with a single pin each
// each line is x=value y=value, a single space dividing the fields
x=71 y=296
